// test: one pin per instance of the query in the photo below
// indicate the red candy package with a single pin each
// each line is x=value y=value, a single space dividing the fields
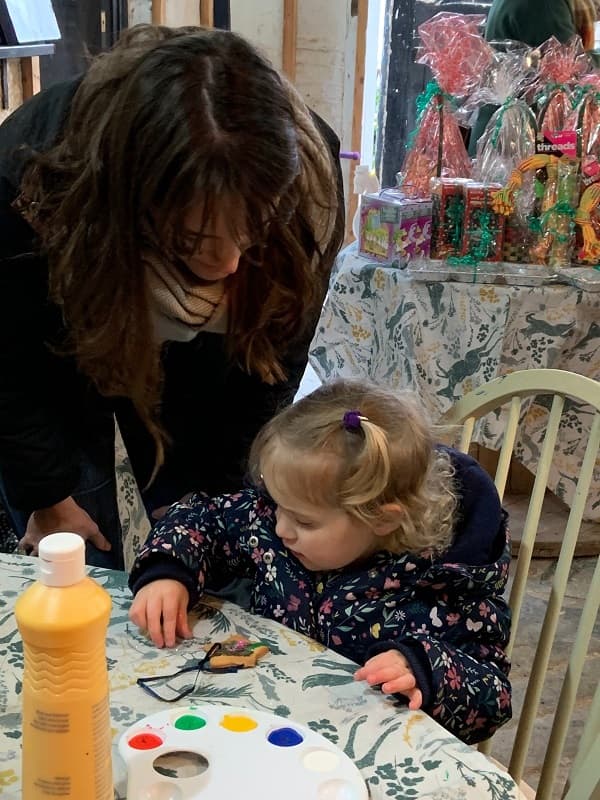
x=453 y=47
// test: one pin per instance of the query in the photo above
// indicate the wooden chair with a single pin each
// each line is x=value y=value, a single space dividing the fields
x=512 y=389
x=584 y=781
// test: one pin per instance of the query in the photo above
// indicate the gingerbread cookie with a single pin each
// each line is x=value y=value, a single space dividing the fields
x=237 y=651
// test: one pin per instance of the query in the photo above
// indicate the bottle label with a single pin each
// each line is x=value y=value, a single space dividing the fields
x=54 y=787
x=54 y=731
x=102 y=748
x=50 y=722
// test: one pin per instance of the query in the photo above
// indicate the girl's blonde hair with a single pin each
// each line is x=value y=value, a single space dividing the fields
x=388 y=458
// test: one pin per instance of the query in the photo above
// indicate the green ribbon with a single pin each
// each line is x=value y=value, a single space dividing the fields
x=432 y=90
x=535 y=224
x=563 y=209
x=549 y=90
x=453 y=220
x=503 y=108
x=486 y=237
x=579 y=92
x=469 y=260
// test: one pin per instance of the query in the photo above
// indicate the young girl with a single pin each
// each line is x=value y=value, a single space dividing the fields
x=365 y=536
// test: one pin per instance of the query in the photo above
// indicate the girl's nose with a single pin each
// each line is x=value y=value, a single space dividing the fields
x=283 y=529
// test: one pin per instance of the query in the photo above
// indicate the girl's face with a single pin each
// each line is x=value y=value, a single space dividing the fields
x=323 y=538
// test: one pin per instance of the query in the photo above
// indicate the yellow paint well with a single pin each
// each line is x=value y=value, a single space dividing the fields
x=238 y=723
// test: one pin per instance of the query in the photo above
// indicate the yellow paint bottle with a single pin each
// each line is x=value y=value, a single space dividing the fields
x=63 y=619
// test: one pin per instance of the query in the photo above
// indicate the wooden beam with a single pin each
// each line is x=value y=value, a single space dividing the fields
x=290 y=38
x=207 y=13
x=30 y=76
x=357 y=104
x=159 y=12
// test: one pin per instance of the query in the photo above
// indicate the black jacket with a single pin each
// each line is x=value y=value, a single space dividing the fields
x=49 y=412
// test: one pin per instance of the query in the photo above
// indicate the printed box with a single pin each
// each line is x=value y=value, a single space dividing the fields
x=483 y=233
x=447 y=216
x=394 y=227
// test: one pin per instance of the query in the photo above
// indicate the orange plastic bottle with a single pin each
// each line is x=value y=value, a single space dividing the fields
x=63 y=619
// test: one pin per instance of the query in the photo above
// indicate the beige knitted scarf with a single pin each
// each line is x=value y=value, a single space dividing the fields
x=184 y=305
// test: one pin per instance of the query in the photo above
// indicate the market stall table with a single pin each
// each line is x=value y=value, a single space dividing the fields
x=443 y=338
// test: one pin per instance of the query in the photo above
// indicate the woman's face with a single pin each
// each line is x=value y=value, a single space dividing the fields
x=211 y=252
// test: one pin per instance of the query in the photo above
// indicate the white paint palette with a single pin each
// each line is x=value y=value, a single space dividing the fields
x=218 y=752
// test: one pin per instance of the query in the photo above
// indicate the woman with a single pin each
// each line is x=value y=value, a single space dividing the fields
x=168 y=224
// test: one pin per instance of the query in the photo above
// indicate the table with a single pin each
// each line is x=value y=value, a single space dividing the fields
x=397 y=750
x=442 y=339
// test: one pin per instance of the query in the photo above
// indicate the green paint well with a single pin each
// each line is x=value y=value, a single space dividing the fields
x=190 y=722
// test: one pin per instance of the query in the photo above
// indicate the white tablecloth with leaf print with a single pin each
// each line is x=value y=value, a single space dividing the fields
x=403 y=755
x=442 y=339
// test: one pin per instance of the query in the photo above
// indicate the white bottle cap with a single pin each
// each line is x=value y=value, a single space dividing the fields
x=62 y=559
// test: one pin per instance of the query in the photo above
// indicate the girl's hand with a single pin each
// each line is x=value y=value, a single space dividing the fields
x=393 y=672
x=160 y=608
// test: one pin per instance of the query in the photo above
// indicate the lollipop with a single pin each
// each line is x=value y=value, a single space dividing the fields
x=561 y=66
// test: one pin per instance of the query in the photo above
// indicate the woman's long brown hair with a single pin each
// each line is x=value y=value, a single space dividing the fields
x=167 y=119
x=585 y=15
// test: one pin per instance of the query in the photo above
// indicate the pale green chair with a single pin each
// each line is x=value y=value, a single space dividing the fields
x=511 y=390
x=584 y=783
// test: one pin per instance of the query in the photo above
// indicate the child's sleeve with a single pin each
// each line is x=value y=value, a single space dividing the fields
x=198 y=539
x=454 y=638
x=462 y=670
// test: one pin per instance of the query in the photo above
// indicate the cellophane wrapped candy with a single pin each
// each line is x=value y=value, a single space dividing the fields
x=585 y=120
x=509 y=136
x=453 y=47
x=557 y=221
x=561 y=66
x=508 y=139
x=587 y=220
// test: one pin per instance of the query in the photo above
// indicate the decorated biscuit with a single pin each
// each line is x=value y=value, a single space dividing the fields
x=237 y=651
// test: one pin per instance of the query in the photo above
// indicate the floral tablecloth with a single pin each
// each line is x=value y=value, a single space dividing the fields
x=442 y=339
x=403 y=755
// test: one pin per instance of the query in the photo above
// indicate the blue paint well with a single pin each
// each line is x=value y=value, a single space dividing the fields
x=285 y=737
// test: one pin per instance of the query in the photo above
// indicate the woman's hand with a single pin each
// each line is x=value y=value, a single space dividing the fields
x=393 y=672
x=160 y=608
x=66 y=516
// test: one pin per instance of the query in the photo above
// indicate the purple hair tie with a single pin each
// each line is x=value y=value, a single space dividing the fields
x=352 y=420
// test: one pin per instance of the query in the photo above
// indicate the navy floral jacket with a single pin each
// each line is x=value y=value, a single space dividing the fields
x=446 y=615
